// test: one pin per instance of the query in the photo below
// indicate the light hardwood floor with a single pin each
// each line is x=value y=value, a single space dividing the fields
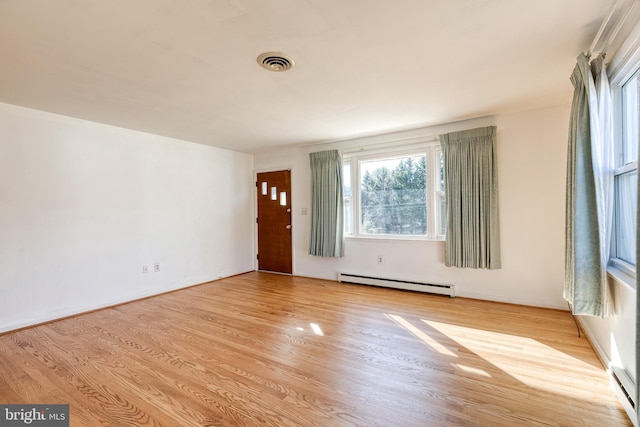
x=263 y=349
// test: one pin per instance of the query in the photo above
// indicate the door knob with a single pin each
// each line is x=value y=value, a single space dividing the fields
x=288 y=227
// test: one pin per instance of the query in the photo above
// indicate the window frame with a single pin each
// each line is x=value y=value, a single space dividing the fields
x=617 y=267
x=354 y=159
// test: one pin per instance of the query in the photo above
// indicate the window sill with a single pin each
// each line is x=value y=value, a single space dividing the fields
x=622 y=276
x=394 y=239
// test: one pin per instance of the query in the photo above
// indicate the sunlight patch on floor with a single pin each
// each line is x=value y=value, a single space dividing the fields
x=315 y=328
x=432 y=343
x=471 y=370
x=525 y=359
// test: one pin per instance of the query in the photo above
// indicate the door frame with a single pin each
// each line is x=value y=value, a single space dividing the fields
x=294 y=222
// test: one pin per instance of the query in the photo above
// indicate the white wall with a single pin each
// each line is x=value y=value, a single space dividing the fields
x=614 y=336
x=83 y=206
x=531 y=172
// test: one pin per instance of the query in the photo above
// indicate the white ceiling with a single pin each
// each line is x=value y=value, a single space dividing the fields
x=187 y=68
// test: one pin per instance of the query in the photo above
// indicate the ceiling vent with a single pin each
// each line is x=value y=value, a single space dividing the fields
x=275 y=61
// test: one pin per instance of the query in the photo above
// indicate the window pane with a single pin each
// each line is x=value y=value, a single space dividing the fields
x=441 y=170
x=442 y=219
x=443 y=215
x=626 y=209
x=393 y=196
x=346 y=191
x=631 y=99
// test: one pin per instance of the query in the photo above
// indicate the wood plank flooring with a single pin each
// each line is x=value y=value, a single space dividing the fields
x=271 y=350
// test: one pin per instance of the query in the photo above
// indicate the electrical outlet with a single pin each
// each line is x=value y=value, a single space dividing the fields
x=156 y=267
x=145 y=269
x=379 y=259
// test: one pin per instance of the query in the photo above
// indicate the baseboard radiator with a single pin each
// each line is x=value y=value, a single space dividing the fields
x=408 y=285
x=625 y=388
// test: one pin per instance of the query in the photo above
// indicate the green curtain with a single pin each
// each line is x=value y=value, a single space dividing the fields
x=583 y=287
x=327 y=215
x=471 y=191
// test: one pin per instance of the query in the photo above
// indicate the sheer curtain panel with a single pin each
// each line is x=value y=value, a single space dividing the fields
x=584 y=285
x=327 y=216
x=471 y=191
x=604 y=165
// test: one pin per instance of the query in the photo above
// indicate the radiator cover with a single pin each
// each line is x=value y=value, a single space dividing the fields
x=625 y=389
x=409 y=285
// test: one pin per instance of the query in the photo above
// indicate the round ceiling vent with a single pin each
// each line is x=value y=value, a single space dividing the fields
x=275 y=61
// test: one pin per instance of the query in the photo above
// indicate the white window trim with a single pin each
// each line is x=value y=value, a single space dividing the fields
x=622 y=272
x=623 y=70
x=431 y=150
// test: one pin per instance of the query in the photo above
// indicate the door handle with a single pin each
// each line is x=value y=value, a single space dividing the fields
x=288 y=227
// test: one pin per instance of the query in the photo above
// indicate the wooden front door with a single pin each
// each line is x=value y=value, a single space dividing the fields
x=274 y=221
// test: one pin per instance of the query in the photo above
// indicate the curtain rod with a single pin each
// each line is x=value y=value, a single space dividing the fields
x=617 y=28
x=404 y=142
x=606 y=20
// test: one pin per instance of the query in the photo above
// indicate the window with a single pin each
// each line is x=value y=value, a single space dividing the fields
x=394 y=194
x=346 y=193
x=440 y=198
x=626 y=177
